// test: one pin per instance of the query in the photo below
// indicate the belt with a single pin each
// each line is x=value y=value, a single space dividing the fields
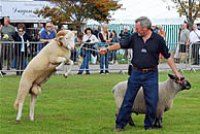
x=144 y=70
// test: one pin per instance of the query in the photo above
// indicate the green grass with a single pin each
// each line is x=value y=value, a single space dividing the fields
x=85 y=105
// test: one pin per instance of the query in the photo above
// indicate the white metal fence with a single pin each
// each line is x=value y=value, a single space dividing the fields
x=14 y=57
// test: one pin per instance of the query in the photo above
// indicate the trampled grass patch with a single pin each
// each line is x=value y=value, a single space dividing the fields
x=85 y=105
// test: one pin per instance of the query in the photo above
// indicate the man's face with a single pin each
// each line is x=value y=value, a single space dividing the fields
x=142 y=31
x=6 y=21
x=49 y=26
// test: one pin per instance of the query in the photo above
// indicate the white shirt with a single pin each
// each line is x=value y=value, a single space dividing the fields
x=23 y=43
x=91 y=37
x=193 y=36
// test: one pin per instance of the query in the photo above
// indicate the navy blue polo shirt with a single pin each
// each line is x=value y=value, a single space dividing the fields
x=146 y=55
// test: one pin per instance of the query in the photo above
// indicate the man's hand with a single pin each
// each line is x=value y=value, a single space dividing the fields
x=103 y=50
x=179 y=75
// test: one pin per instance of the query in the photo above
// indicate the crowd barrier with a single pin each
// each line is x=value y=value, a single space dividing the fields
x=13 y=57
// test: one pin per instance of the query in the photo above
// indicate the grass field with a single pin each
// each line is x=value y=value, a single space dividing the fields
x=85 y=105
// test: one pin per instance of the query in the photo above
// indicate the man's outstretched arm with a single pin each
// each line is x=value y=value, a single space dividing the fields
x=115 y=46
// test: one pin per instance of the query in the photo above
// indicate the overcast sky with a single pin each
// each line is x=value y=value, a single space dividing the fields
x=154 y=9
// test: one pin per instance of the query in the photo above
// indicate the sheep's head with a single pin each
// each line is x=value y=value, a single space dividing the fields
x=66 y=38
x=182 y=83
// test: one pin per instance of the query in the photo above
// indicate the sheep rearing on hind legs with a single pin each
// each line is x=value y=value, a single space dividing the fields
x=167 y=92
x=54 y=55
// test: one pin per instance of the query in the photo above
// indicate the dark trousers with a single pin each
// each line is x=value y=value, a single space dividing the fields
x=104 y=62
x=6 y=54
x=149 y=82
x=195 y=53
x=20 y=63
x=86 y=61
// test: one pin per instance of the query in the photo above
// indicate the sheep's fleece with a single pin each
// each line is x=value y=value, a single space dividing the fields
x=41 y=67
x=167 y=91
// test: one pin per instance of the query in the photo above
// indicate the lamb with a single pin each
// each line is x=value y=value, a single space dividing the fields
x=167 y=92
x=41 y=67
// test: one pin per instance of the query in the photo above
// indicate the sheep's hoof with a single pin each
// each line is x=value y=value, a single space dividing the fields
x=31 y=119
x=131 y=122
x=17 y=121
x=65 y=75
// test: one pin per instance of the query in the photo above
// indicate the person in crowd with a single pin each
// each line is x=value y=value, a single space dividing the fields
x=46 y=35
x=21 y=48
x=184 y=42
x=123 y=35
x=113 y=54
x=104 y=38
x=7 y=32
x=89 y=41
x=96 y=31
x=1 y=67
x=195 y=42
x=161 y=31
x=146 y=46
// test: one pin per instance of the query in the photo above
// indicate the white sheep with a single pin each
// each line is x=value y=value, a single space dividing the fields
x=41 y=67
x=167 y=91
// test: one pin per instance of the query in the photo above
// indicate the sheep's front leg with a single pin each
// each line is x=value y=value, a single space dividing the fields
x=131 y=122
x=60 y=60
x=67 y=70
x=158 y=123
x=32 y=106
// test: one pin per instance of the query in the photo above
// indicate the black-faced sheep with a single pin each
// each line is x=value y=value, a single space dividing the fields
x=167 y=91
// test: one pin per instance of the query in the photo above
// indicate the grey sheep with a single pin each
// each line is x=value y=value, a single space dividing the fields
x=167 y=92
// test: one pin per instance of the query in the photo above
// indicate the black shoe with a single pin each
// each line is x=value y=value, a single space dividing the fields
x=150 y=128
x=79 y=73
x=106 y=72
x=101 y=72
x=3 y=73
x=88 y=73
x=118 y=129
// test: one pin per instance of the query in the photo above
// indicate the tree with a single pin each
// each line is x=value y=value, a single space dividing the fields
x=78 y=11
x=188 y=8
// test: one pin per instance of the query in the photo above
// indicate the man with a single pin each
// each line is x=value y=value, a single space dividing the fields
x=46 y=35
x=7 y=32
x=195 y=42
x=184 y=42
x=146 y=46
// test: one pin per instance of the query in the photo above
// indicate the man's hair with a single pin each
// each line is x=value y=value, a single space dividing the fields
x=144 y=22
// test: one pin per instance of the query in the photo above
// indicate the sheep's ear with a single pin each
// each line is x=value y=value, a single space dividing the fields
x=59 y=40
x=60 y=35
x=171 y=76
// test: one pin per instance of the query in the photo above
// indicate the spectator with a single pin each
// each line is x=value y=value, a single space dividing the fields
x=155 y=29
x=7 y=33
x=113 y=54
x=89 y=39
x=46 y=35
x=184 y=42
x=104 y=37
x=21 y=49
x=195 y=41
x=161 y=31
x=124 y=34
